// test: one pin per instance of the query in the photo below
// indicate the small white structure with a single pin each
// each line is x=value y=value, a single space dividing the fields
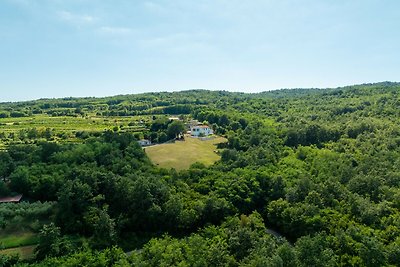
x=144 y=142
x=200 y=130
x=174 y=119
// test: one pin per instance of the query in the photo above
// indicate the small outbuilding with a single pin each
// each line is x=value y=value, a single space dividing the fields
x=14 y=199
x=174 y=119
x=144 y=142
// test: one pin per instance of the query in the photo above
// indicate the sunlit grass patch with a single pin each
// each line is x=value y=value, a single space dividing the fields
x=181 y=154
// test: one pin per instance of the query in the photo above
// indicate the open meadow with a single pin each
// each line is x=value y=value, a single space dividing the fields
x=181 y=154
x=22 y=238
x=22 y=243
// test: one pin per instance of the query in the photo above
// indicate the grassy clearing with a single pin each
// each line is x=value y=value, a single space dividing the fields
x=13 y=240
x=25 y=252
x=181 y=154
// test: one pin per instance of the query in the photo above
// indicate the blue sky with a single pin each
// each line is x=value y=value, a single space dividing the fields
x=58 y=48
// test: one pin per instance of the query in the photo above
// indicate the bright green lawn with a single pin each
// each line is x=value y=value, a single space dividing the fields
x=181 y=154
x=12 y=240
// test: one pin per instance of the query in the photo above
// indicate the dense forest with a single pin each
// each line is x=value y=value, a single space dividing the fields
x=307 y=177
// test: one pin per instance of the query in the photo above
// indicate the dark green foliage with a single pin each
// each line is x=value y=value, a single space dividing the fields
x=315 y=251
x=175 y=128
x=49 y=242
x=108 y=257
x=24 y=216
x=103 y=227
x=8 y=261
x=320 y=166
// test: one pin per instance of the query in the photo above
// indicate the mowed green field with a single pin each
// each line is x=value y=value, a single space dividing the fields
x=21 y=243
x=181 y=154
x=23 y=238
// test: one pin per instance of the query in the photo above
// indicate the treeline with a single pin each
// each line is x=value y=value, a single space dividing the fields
x=307 y=178
x=129 y=105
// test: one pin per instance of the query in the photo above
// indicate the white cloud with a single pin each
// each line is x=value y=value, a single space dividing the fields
x=176 y=39
x=76 y=18
x=181 y=44
x=115 y=30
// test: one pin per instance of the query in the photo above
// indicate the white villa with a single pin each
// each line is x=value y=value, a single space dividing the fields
x=200 y=130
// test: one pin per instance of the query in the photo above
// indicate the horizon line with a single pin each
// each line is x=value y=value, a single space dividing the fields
x=198 y=89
